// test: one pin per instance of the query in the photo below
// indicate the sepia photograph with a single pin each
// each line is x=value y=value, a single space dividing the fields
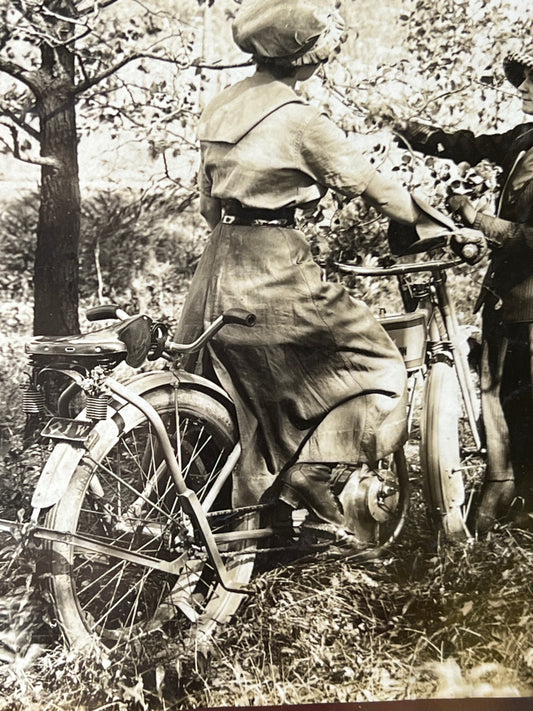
x=266 y=357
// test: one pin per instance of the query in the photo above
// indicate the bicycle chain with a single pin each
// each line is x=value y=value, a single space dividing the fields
x=307 y=549
x=237 y=511
x=230 y=555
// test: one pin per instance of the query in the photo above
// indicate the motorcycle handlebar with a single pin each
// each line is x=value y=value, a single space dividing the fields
x=236 y=316
x=240 y=317
x=470 y=251
x=398 y=269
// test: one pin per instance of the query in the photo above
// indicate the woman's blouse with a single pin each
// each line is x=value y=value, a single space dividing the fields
x=264 y=146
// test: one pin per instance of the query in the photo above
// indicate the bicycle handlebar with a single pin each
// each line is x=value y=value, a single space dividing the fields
x=399 y=269
x=105 y=311
x=239 y=317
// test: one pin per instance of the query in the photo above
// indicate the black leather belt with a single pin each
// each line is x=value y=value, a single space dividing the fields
x=237 y=214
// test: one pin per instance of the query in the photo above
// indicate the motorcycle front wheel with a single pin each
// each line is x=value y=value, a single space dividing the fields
x=452 y=469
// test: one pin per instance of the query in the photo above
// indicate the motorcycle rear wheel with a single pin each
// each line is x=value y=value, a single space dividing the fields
x=123 y=495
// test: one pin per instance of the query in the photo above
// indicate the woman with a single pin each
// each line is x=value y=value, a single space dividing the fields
x=506 y=296
x=317 y=380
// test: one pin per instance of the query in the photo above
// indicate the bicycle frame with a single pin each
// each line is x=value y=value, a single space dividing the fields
x=443 y=338
x=105 y=384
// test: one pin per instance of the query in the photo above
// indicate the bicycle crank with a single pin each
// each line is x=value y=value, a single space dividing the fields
x=370 y=498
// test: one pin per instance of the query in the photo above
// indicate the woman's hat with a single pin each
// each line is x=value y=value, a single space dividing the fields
x=515 y=64
x=294 y=32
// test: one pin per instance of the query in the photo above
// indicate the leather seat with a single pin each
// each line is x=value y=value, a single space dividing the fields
x=128 y=340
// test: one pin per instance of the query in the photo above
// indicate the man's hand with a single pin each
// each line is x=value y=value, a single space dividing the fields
x=469 y=245
x=462 y=205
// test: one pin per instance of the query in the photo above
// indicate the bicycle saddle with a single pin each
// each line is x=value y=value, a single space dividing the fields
x=128 y=340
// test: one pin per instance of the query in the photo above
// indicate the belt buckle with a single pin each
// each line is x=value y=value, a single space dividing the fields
x=228 y=219
x=272 y=223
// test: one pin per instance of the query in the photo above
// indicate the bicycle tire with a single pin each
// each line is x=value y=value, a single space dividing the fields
x=440 y=452
x=125 y=496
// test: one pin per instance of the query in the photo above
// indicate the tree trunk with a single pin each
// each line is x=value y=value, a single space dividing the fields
x=58 y=229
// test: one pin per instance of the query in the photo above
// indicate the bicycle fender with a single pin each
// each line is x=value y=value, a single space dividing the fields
x=55 y=476
x=65 y=456
x=143 y=383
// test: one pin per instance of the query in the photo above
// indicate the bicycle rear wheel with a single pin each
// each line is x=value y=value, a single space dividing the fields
x=449 y=470
x=121 y=494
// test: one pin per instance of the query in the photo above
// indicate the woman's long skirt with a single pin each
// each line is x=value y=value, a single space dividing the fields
x=317 y=379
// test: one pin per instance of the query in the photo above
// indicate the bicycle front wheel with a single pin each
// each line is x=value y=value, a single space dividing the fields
x=442 y=452
x=121 y=494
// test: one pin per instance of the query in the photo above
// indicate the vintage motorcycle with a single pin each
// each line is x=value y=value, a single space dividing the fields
x=133 y=508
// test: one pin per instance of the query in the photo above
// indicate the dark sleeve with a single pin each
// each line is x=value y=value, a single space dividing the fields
x=505 y=233
x=461 y=146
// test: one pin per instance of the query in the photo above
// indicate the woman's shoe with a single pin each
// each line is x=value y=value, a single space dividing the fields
x=307 y=484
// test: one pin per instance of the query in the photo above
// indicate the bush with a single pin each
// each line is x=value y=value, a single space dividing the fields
x=136 y=248
x=18 y=222
x=139 y=249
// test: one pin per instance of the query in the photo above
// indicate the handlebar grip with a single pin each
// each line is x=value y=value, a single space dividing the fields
x=240 y=317
x=470 y=251
x=100 y=313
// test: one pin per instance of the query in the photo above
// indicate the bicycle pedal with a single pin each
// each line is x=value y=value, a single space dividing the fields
x=333 y=535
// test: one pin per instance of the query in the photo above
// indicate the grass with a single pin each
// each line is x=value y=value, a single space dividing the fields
x=428 y=621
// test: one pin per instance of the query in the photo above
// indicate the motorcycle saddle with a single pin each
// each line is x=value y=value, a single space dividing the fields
x=128 y=340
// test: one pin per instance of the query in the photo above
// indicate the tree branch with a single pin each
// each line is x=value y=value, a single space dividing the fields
x=88 y=83
x=193 y=192
x=63 y=18
x=17 y=72
x=51 y=162
x=6 y=33
x=94 y=7
x=98 y=267
x=20 y=122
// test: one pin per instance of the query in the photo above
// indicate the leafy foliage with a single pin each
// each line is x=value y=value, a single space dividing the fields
x=18 y=221
x=139 y=249
x=444 y=69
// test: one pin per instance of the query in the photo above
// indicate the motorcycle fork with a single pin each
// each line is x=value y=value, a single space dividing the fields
x=188 y=498
x=462 y=370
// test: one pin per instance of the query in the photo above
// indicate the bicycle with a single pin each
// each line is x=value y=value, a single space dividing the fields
x=134 y=506
x=429 y=338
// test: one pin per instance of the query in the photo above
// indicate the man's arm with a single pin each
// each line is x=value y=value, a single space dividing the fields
x=458 y=146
